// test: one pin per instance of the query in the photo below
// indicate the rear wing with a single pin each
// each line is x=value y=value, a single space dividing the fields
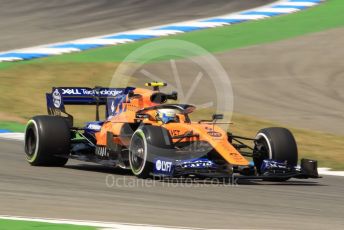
x=61 y=96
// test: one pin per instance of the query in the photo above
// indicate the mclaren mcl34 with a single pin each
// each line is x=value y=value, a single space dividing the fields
x=145 y=134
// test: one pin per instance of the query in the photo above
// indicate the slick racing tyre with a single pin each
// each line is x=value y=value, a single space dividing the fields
x=47 y=141
x=276 y=144
x=147 y=142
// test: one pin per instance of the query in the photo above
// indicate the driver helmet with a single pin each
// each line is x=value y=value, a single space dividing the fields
x=167 y=115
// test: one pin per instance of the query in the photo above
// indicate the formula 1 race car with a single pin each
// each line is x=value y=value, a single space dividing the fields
x=145 y=134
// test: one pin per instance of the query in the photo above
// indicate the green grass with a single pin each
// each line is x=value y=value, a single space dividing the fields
x=29 y=225
x=325 y=16
x=12 y=126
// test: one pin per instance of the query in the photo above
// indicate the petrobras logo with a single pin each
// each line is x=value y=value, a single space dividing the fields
x=57 y=99
x=163 y=166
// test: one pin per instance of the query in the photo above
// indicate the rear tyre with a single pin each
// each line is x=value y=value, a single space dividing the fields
x=47 y=141
x=276 y=144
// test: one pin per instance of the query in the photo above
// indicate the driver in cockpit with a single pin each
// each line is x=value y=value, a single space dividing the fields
x=167 y=115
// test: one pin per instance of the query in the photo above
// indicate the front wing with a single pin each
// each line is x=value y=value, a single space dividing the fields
x=206 y=168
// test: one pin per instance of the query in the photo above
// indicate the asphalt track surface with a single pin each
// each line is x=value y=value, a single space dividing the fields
x=25 y=23
x=79 y=191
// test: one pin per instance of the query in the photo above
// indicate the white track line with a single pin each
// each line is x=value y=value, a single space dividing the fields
x=101 y=41
x=244 y=17
x=298 y=3
x=12 y=136
x=278 y=10
x=102 y=225
x=327 y=171
x=9 y=59
x=153 y=32
x=45 y=50
x=202 y=24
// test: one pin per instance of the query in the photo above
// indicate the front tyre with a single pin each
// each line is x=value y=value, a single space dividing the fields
x=147 y=143
x=277 y=144
x=47 y=141
x=138 y=152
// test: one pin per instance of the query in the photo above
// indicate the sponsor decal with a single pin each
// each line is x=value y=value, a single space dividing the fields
x=198 y=163
x=158 y=165
x=174 y=132
x=141 y=116
x=163 y=167
x=214 y=134
x=102 y=151
x=110 y=92
x=270 y=164
x=94 y=127
x=90 y=92
x=113 y=106
x=57 y=99
x=71 y=92
x=236 y=156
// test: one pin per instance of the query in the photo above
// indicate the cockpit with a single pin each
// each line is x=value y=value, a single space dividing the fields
x=167 y=113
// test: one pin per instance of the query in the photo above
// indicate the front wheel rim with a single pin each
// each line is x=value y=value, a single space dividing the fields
x=263 y=149
x=137 y=154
